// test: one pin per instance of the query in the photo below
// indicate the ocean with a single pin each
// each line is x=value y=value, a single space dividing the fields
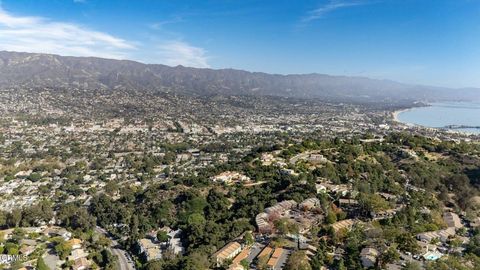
x=440 y=115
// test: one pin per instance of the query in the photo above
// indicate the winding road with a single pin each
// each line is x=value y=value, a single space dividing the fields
x=123 y=257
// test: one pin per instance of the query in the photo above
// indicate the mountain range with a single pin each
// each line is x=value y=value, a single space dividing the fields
x=18 y=69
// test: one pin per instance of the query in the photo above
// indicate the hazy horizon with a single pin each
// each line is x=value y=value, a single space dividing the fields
x=427 y=43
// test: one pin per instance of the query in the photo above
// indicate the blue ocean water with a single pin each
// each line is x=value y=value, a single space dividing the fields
x=444 y=114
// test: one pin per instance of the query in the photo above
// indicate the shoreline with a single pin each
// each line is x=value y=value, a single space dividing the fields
x=395 y=118
x=395 y=115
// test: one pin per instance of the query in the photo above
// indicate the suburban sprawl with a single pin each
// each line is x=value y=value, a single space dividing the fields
x=95 y=174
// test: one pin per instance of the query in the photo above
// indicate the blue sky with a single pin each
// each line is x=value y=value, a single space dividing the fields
x=434 y=42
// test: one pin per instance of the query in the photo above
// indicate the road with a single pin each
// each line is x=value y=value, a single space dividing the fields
x=123 y=261
x=282 y=260
x=256 y=249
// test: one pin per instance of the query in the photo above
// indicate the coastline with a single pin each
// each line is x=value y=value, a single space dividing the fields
x=395 y=115
x=395 y=118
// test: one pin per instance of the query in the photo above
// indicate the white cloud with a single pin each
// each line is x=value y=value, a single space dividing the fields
x=160 y=24
x=181 y=53
x=42 y=35
x=330 y=6
x=36 y=34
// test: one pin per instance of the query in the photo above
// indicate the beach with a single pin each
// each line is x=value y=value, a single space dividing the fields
x=454 y=116
x=395 y=115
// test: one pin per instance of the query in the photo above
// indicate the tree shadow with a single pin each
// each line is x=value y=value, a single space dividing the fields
x=474 y=176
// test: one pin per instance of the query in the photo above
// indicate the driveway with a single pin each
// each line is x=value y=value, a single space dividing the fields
x=51 y=259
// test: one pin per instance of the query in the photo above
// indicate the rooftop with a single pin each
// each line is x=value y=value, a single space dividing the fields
x=227 y=250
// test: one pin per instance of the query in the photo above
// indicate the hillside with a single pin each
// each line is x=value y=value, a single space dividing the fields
x=45 y=70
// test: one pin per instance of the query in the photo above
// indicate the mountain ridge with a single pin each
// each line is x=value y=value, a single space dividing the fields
x=20 y=69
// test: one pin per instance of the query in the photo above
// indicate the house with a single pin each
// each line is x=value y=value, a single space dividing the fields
x=175 y=245
x=281 y=207
x=452 y=220
x=81 y=264
x=389 y=213
x=378 y=215
x=153 y=254
x=304 y=245
x=243 y=255
x=231 y=177
x=77 y=254
x=74 y=243
x=6 y=234
x=304 y=224
x=388 y=196
x=273 y=261
x=150 y=250
x=57 y=231
x=317 y=158
x=310 y=203
x=28 y=242
x=288 y=172
x=442 y=235
x=341 y=189
x=228 y=252
x=344 y=224
x=262 y=223
x=349 y=205
x=27 y=250
x=425 y=247
x=272 y=212
x=153 y=249
x=368 y=257
x=265 y=252
x=267 y=159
